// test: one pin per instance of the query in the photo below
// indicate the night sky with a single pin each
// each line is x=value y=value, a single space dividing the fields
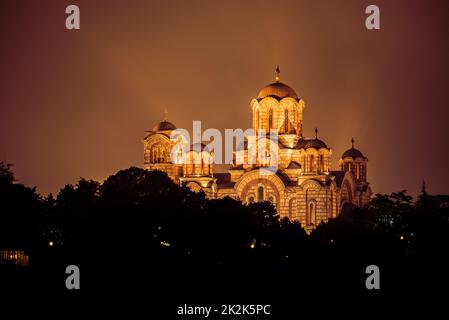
x=76 y=103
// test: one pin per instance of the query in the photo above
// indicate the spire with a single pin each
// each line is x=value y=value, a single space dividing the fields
x=316 y=133
x=352 y=142
x=423 y=187
x=424 y=196
x=165 y=114
x=278 y=72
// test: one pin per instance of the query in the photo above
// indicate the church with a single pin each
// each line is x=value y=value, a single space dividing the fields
x=303 y=187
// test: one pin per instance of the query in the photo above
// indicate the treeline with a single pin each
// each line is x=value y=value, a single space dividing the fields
x=140 y=230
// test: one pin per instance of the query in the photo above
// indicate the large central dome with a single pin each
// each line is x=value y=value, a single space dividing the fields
x=277 y=90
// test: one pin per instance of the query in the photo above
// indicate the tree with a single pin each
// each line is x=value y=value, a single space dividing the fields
x=6 y=175
x=20 y=211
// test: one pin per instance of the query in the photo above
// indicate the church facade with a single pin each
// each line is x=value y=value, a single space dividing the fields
x=303 y=187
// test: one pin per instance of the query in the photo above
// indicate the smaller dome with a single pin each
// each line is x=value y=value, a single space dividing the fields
x=352 y=153
x=164 y=126
x=305 y=143
x=294 y=165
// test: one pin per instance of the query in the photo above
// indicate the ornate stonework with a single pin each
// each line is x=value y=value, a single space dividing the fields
x=303 y=188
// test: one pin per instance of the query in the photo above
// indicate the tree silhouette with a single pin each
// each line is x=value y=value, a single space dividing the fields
x=139 y=222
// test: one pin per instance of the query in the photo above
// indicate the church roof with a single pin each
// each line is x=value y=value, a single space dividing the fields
x=305 y=143
x=164 y=126
x=222 y=177
x=285 y=179
x=338 y=177
x=224 y=180
x=294 y=165
x=353 y=153
x=277 y=90
x=199 y=147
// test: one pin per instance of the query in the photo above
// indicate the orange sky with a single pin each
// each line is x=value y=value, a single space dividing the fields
x=76 y=103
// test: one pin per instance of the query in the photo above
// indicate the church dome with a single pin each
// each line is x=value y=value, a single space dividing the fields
x=352 y=153
x=164 y=126
x=277 y=90
x=305 y=143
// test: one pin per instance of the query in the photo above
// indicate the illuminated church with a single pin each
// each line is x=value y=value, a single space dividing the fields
x=303 y=188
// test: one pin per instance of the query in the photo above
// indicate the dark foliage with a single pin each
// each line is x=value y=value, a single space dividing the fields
x=140 y=230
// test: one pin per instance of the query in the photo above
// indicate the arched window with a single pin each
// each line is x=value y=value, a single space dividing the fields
x=358 y=171
x=190 y=163
x=251 y=200
x=160 y=156
x=294 y=117
x=270 y=119
x=290 y=208
x=331 y=206
x=180 y=160
x=286 y=122
x=312 y=213
x=321 y=163
x=267 y=159
x=311 y=164
x=155 y=155
x=147 y=156
x=260 y=194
